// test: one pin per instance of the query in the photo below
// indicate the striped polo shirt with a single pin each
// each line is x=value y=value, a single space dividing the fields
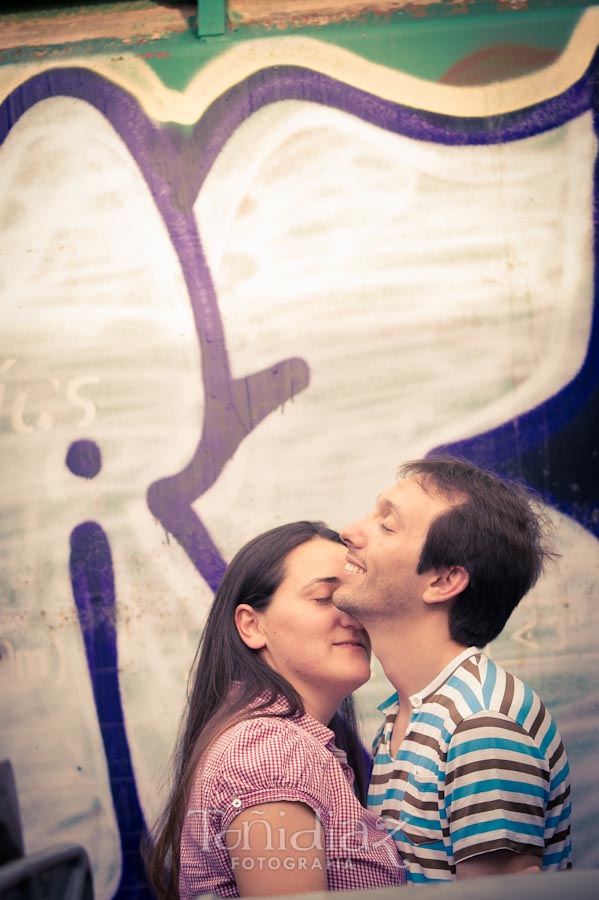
x=482 y=767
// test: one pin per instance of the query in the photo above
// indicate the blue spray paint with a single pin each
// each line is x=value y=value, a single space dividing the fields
x=92 y=580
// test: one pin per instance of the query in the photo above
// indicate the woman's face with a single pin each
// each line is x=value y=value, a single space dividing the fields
x=323 y=652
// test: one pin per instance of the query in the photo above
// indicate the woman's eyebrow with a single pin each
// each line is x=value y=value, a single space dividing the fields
x=327 y=579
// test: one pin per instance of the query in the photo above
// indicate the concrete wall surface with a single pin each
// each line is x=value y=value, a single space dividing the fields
x=241 y=280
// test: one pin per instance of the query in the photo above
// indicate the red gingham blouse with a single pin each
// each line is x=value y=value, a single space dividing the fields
x=273 y=758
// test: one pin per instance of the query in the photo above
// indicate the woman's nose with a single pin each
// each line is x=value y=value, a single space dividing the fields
x=347 y=621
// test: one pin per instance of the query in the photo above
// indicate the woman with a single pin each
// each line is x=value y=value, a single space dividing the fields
x=262 y=801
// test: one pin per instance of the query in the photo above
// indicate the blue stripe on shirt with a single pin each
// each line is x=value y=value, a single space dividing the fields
x=497 y=784
x=489 y=684
x=466 y=692
x=492 y=743
x=459 y=834
x=549 y=737
x=525 y=706
x=560 y=777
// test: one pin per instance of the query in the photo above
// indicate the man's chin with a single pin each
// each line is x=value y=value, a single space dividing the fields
x=347 y=603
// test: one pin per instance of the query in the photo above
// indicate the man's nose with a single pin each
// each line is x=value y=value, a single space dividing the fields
x=353 y=535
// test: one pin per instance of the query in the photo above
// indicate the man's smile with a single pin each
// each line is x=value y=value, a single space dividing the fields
x=354 y=567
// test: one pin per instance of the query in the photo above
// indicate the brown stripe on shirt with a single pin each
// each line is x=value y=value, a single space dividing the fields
x=508 y=694
x=539 y=719
x=561 y=798
x=388 y=813
x=394 y=775
x=422 y=740
x=500 y=804
x=471 y=666
x=559 y=752
x=559 y=837
x=422 y=862
x=473 y=724
x=447 y=703
x=418 y=803
x=498 y=844
x=490 y=765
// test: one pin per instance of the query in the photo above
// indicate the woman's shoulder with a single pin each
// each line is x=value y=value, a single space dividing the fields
x=261 y=733
x=266 y=750
x=268 y=759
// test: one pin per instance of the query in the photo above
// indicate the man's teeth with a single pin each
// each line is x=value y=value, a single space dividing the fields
x=352 y=567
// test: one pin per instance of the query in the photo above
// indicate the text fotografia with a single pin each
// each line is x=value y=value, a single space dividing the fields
x=288 y=863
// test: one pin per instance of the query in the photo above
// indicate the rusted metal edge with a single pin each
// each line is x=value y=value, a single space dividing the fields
x=298 y=13
x=90 y=23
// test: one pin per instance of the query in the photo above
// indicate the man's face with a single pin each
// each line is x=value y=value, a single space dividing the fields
x=380 y=578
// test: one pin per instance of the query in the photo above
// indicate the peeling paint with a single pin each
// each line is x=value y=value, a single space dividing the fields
x=156 y=54
x=150 y=21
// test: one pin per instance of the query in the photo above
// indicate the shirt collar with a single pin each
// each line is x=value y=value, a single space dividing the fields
x=419 y=697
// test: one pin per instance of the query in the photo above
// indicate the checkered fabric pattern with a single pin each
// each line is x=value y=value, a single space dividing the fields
x=275 y=758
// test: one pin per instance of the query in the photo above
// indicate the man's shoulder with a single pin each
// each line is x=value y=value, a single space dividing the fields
x=488 y=696
x=480 y=688
x=491 y=687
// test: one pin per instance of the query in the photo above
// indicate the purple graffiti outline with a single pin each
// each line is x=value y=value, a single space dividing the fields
x=175 y=165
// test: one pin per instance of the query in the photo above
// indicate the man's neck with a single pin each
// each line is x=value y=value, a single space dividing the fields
x=412 y=656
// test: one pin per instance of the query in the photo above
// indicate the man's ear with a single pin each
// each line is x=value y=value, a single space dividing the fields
x=445 y=584
x=247 y=622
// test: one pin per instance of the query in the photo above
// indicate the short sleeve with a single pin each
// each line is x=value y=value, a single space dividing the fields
x=265 y=760
x=496 y=788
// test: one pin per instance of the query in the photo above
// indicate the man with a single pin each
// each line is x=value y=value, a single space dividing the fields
x=470 y=773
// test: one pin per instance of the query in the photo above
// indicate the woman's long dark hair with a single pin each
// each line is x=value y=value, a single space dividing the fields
x=224 y=662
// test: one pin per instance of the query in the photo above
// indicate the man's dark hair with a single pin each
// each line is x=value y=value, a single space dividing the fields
x=495 y=531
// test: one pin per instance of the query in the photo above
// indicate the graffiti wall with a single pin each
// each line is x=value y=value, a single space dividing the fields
x=245 y=303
